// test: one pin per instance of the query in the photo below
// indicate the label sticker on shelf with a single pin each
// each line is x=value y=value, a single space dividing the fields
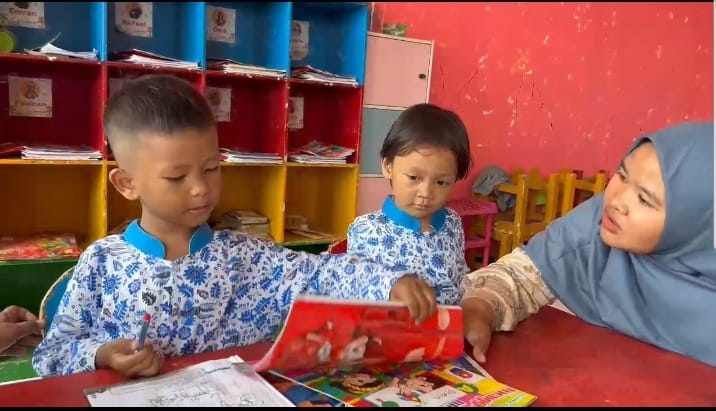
x=299 y=40
x=30 y=97
x=295 y=113
x=134 y=18
x=221 y=24
x=220 y=102
x=24 y=14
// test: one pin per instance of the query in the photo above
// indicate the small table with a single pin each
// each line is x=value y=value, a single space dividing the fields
x=468 y=210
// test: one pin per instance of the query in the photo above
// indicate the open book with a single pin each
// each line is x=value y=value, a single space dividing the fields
x=334 y=352
x=367 y=354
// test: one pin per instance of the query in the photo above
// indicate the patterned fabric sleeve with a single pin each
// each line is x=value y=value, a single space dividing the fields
x=364 y=239
x=69 y=345
x=286 y=273
x=512 y=285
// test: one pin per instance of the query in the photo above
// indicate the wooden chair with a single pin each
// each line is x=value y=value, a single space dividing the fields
x=540 y=216
x=589 y=186
x=53 y=297
x=507 y=223
x=567 y=191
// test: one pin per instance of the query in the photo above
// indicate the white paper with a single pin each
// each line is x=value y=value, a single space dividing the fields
x=134 y=18
x=220 y=102
x=217 y=383
x=299 y=40
x=221 y=24
x=30 y=97
x=24 y=14
x=295 y=113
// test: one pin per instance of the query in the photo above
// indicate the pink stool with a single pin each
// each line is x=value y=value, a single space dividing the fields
x=468 y=210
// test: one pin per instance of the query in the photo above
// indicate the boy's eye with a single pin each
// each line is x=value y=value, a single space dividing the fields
x=411 y=177
x=175 y=179
x=442 y=183
x=212 y=169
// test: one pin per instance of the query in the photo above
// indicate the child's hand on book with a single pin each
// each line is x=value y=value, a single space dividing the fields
x=477 y=323
x=121 y=356
x=417 y=294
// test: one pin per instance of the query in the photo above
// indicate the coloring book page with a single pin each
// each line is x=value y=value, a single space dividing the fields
x=217 y=383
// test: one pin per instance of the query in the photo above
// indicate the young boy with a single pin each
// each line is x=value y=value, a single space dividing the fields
x=425 y=152
x=204 y=290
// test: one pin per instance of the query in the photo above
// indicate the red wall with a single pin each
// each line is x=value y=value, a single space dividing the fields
x=556 y=85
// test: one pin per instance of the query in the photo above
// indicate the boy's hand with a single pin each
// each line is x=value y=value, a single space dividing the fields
x=419 y=296
x=477 y=323
x=120 y=355
x=19 y=331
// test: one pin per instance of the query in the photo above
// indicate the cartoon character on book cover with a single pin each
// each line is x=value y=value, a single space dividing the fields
x=352 y=335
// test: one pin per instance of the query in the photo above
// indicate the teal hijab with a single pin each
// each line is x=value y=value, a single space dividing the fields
x=666 y=298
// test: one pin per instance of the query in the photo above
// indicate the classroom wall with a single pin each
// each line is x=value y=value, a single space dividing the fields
x=556 y=85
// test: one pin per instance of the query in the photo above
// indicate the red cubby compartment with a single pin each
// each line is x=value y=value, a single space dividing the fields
x=257 y=119
x=331 y=115
x=77 y=102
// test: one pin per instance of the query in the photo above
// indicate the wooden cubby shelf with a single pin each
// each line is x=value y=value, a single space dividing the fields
x=75 y=196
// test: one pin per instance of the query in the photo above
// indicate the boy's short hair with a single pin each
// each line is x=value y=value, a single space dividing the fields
x=156 y=103
x=424 y=125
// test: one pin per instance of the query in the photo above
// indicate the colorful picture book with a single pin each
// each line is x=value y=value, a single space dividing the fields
x=366 y=354
x=38 y=247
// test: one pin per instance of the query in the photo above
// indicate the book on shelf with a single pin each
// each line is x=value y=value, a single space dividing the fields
x=245 y=157
x=313 y=74
x=60 y=152
x=235 y=67
x=336 y=353
x=50 y=50
x=38 y=247
x=137 y=56
x=49 y=152
x=316 y=152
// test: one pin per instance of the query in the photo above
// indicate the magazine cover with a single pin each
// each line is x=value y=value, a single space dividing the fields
x=426 y=384
x=325 y=334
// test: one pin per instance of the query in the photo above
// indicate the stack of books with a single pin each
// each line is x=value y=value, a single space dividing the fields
x=144 y=57
x=246 y=222
x=235 y=67
x=313 y=74
x=245 y=157
x=316 y=152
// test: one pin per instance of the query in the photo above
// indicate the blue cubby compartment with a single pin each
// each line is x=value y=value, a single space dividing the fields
x=263 y=35
x=81 y=24
x=337 y=36
x=177 y=32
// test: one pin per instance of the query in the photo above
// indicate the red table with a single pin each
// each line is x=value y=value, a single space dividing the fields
x=553 y=355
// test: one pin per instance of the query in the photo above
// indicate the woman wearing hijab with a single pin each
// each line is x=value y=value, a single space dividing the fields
x=638 y=258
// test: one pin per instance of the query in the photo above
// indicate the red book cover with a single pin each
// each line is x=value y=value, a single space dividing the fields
x=324 y=333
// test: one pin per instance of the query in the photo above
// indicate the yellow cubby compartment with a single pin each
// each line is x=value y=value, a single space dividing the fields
x=324 y=194
x=53 y=197
x=258 y=187
x=245 y=187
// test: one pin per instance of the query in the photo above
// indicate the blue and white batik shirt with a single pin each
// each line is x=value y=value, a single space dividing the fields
x=230 y=290
x=392 y=237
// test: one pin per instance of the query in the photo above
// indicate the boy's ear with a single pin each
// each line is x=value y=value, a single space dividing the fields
x=122 y=181
x=387 y=168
